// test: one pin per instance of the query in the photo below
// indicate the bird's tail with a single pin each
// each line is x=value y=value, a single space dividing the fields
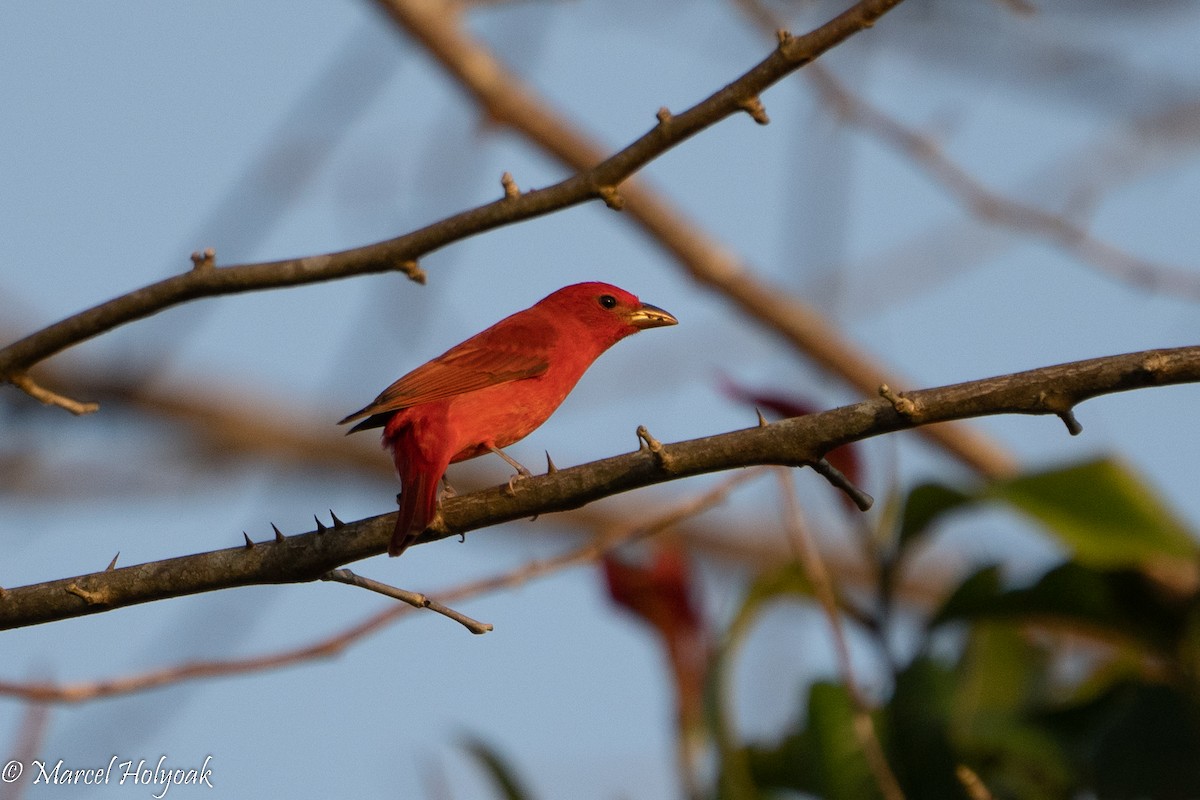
x=418 y=505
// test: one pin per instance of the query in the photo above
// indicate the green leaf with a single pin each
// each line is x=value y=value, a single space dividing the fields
x=1001 y=678
x=786 y=582
x=1120 y=604
x=823 y=757
x=839 y=766
x=503 y=776
x=918 y=713
x=1135 y=740
x=976 y=596
x=924 y=506
x=788 y=765
x=1103 y=513
x=1000 y=673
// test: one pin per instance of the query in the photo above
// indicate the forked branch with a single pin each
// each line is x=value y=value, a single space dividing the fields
x=800 y=441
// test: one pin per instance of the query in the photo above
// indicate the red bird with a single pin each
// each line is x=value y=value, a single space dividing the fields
x=495 y=389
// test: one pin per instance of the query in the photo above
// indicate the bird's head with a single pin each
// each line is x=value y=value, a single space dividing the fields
x=604 y=308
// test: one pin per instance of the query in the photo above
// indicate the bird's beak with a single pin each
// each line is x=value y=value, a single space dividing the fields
x=648 y=316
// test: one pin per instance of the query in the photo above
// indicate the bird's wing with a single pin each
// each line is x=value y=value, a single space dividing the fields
x=466 y=368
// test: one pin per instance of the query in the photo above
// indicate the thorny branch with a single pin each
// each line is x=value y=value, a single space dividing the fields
x=793 y=442
x=614 y=536
x=598 y=179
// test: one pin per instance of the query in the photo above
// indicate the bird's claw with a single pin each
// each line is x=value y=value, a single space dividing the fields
x=515 y=479
x=522 y=472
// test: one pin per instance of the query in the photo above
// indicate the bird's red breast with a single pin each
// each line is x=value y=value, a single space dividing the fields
x=495 y=388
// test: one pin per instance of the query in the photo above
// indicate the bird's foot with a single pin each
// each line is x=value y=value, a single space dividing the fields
x=511 y=486
x=522 y=472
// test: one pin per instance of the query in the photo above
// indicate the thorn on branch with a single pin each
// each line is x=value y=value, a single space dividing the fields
x=655 y=447
x=320 y=525
x=754 y=107
x=249 y=544
x=204 y=260
x=664 y=118
x=278 y=533
x=835 y=477
x=644 y=439
x=903 y=406
x=43 y=395
x=412 y=270
x=113 y=564
x=1154 y=363
x=511 y=190
x=550 y=466
x=1068 y=418
x=611 y=197
x=337 y=523
x=762 y=421
x=1062 y=407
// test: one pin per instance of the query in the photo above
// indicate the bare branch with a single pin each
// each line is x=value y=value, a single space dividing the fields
x=839 y=481
x=792 y=442
x=30 y=737
x=997 y=209
x=207 y=279
x=43 y=395
x=414 y=599
x=47 y=692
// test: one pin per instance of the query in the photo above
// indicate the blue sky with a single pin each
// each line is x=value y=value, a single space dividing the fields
x=136 y=133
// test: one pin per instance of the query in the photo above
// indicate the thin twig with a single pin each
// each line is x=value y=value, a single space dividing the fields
x=839 y=481
x=809 y=556
x=414 y=599
x=997 y=209
x=971 y=782
x=50 y=692
x=29 y=738
x=987 y=205
x=43 y=395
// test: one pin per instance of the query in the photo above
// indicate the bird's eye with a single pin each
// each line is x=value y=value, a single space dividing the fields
x=608 y=301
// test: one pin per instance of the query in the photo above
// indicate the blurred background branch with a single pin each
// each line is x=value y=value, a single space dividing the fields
x=966 y=190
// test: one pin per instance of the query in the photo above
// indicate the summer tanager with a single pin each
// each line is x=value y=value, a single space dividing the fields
x=495 y=389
